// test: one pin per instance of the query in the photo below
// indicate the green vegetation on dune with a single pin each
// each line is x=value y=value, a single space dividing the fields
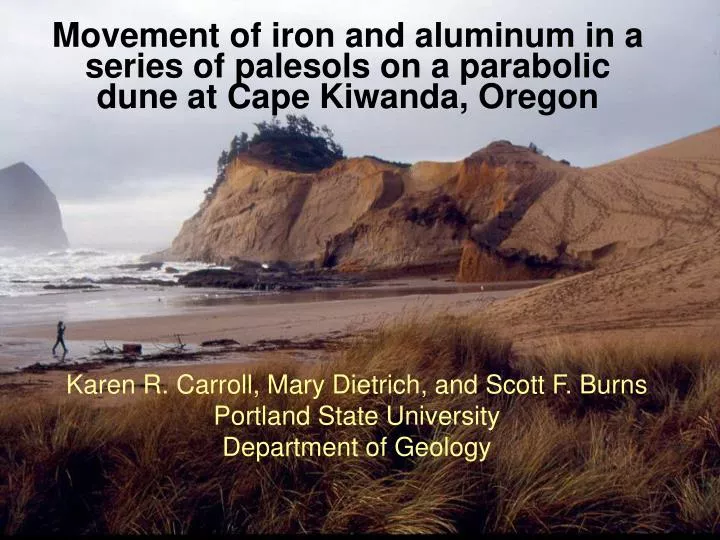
x=558 y=463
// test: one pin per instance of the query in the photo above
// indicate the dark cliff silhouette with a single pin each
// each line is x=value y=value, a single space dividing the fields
x=29 y=212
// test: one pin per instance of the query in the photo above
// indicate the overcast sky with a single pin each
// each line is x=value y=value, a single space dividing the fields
x=131 y=177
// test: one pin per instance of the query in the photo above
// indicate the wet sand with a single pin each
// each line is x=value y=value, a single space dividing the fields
x=199 y=315
x=202 y=315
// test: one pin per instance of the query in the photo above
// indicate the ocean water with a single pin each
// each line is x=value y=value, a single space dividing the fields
x=26 y=274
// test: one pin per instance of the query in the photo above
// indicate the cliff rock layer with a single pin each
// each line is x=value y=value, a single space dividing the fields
x=362 y=214
x=29 y=212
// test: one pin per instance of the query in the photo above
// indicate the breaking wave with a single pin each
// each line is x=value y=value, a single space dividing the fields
x=23 y=274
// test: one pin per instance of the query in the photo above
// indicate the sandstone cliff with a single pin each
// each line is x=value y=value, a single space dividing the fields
x=363 y=214
x=505 y=212
x=29 y=212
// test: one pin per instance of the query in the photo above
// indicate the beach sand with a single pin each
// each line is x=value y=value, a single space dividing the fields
x=292 y=317
x=248 y=323
x=204 y=315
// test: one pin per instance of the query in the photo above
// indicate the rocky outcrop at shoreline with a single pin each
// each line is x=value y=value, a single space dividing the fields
x=75 y=284
x=126 y=280
x=276 y=277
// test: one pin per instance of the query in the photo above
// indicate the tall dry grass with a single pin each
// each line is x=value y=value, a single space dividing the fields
x=558 y=463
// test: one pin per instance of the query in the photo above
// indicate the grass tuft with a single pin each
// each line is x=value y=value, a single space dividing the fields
x=565 y=463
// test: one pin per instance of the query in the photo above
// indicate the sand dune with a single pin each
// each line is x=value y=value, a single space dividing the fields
x=653 y=201
x=651 y=223
x=677 y=289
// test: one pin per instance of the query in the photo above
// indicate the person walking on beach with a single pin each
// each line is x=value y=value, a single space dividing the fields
x=60 y=338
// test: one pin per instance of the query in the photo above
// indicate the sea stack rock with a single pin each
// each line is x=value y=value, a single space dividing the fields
x=29 y=212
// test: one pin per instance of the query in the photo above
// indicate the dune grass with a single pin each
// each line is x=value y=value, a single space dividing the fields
x=568 y=463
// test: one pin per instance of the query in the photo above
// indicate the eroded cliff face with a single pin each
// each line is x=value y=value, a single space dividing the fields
x=29 y=212
x=364 y=214
x=505 y=212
